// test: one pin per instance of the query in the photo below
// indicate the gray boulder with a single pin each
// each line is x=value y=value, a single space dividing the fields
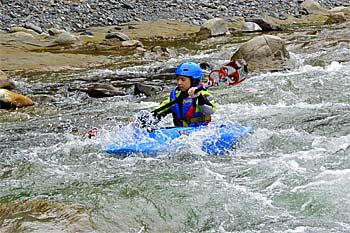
x=265 y=52
x=213 y=27
x=312 y=7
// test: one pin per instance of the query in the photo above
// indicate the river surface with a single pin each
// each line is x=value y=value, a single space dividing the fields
x=292 y=174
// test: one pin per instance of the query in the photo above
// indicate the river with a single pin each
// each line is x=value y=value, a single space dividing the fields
x=292 y=174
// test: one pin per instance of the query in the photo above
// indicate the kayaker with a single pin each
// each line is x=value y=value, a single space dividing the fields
x=192 y=110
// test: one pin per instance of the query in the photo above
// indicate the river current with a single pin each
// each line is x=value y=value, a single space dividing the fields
x=292 y=174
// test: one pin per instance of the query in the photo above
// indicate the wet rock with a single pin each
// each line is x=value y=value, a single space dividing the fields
x=148 y=90
x=9 y=99
x=104 y=90
x=5 y=82
x=265 y=52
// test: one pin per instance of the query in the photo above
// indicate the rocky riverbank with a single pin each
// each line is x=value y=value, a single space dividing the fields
x=29 y=46
x=75 y=15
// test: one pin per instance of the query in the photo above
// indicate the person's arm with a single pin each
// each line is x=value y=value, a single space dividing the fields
x=163 y=112
x=206 y=103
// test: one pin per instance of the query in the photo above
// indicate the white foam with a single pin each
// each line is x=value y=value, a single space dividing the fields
x=327 y=179
x=332 y=145
x=299 y=229
x=334 y=66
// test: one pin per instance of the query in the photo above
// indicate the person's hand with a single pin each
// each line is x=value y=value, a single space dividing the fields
x=191 y=93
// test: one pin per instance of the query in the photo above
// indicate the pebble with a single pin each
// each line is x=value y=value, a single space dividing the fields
x=73 y=15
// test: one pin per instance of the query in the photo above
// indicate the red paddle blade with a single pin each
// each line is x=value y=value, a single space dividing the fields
x=232 y=73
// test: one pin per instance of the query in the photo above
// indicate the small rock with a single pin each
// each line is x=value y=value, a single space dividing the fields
x=104 y=90
x=33 y=27
x=148 y=90
x=132 y=43
x=118 y=35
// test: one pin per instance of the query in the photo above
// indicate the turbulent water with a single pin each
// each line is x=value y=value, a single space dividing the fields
x=291 y=175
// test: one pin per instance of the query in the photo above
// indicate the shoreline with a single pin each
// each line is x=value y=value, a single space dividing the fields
x=26 y=51
x=79 y=15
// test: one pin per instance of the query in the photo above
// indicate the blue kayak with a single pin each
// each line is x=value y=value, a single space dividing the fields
x=214 y=140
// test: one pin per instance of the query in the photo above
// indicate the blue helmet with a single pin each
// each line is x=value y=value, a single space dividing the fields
x=189 y=69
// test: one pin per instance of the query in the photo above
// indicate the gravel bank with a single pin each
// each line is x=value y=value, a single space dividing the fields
x=77 y=15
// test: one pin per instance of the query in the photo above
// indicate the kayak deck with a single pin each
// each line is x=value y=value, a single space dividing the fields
x=214 y=140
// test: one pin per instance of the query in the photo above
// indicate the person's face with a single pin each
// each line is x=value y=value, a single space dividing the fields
x=183 y=82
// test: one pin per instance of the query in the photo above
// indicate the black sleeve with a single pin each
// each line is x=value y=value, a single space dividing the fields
x=161 y=115
x=203 y=100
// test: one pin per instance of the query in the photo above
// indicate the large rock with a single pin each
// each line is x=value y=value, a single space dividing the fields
x=213 y=27
x=66 y=38
x=9 y=99
x=313 y=7
x=265 y=24
x=345 y=10
x=265 y=52
x=235 y=23
x=336 y=18
x=5 y=82
x=251 y=27
x=33 y=27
